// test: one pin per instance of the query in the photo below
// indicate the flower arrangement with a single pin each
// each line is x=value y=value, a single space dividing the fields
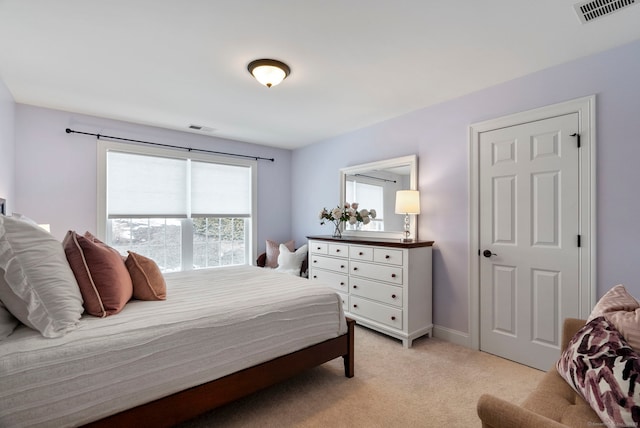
x=348 y=213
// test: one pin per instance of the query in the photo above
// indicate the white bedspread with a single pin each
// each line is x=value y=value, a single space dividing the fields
x=213 y=323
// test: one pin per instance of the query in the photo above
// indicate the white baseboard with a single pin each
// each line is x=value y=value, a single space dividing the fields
x=453 y=336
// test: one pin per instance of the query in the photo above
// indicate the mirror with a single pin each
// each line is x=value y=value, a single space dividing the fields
x=374 y=185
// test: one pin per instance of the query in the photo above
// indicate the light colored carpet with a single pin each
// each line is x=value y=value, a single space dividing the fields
x=433 y=384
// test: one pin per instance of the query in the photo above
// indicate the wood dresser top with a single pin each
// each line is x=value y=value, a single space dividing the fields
x=382 y=242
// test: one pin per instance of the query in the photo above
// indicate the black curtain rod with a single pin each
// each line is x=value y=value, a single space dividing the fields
x=189 y=149
x=375 y=178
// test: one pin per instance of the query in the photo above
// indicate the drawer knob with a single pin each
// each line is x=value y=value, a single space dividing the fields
x=387 y=256
x=355 y=268
x=393 y=318
x=342 y=283
x=393 y=296
x=315 y=261
x=338 y=250
x=360 y=253
x=317 y=248
x=393 y=275
x=315 y=276
x=341 y=266
x=355 y=286
x=355 y=306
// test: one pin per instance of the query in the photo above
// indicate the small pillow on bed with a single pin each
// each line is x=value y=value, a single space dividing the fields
x=601 y=366
x=102 y=276
x=623 y=311
x=148 y=281
x=291 y=262
x=273 y=251
x=36 y=283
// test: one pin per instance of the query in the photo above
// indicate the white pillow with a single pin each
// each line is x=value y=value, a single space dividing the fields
x=37 y=285
x=8 y=322
x=290 y=262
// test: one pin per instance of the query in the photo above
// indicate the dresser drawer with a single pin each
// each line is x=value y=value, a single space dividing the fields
x=316 y=247
x=387 y=255
x=337 y=281
x=390 y=274
x=338 y=250
x=357 y=252
x=376 y=291
x=376 y=311
x=329 y=263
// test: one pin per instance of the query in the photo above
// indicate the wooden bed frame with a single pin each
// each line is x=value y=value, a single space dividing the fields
x=187 y=404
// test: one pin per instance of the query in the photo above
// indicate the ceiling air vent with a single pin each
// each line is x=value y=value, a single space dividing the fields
x=589 y=10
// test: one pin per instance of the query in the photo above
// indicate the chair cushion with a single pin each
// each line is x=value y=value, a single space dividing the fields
x=556 y=400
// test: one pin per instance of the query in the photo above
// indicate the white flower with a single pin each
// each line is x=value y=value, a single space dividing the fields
x=352 y=220
x=336 y=213
x=364 y=213
x=323 y=213
x=373 y=213
x=366 y=220
x=354 y=205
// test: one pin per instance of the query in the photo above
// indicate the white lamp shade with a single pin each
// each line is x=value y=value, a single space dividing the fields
x=407 y=202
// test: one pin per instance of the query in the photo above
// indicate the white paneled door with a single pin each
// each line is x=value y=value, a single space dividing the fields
x=529 y=225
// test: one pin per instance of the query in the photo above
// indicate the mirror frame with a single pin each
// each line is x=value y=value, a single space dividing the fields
x=412 y=162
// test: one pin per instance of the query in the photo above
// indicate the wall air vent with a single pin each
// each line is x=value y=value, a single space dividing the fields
x=201 y=128
x=590 y=10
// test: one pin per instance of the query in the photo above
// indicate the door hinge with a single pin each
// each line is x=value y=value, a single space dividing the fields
x=579 y=240
x=575 y=134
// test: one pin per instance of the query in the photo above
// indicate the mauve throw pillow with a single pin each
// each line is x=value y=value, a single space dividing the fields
x=273 y=251
x=622 y=310
x=148 y=282
x=102 y=276
x=601 y=366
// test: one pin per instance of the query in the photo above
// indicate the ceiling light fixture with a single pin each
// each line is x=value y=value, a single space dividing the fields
x=269 y=72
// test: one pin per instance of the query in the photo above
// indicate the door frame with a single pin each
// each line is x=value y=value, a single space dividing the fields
x=585 y=107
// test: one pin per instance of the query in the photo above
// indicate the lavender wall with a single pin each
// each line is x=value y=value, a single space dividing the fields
x=56 y=171
x=439 y=136
x=7 y=146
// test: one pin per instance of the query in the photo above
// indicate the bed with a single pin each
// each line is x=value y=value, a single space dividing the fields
x=220 y=334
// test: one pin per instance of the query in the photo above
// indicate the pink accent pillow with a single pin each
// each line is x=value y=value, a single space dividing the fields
x=273 y=251
x=102 y=276
x=623 y=311
x=148 y=282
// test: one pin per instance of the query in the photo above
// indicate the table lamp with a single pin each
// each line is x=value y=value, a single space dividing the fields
x=407 y=202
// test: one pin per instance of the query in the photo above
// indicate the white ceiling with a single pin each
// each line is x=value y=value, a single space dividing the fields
x=173 y=63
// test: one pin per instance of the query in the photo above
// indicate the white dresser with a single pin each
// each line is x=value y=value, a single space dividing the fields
x=384 y=284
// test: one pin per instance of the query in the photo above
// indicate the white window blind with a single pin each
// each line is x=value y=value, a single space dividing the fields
x=367 y=196
x=219 y=190
x=146 y=186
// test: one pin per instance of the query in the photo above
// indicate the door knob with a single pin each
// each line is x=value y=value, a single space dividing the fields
x=488 y=253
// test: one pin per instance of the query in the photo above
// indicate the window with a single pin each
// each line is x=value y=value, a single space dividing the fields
x=368 y=196
x=184 y=210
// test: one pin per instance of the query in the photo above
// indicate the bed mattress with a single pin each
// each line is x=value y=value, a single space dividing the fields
x=213 y=323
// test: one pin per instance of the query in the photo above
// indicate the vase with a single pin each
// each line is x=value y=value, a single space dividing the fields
x=337 y=233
